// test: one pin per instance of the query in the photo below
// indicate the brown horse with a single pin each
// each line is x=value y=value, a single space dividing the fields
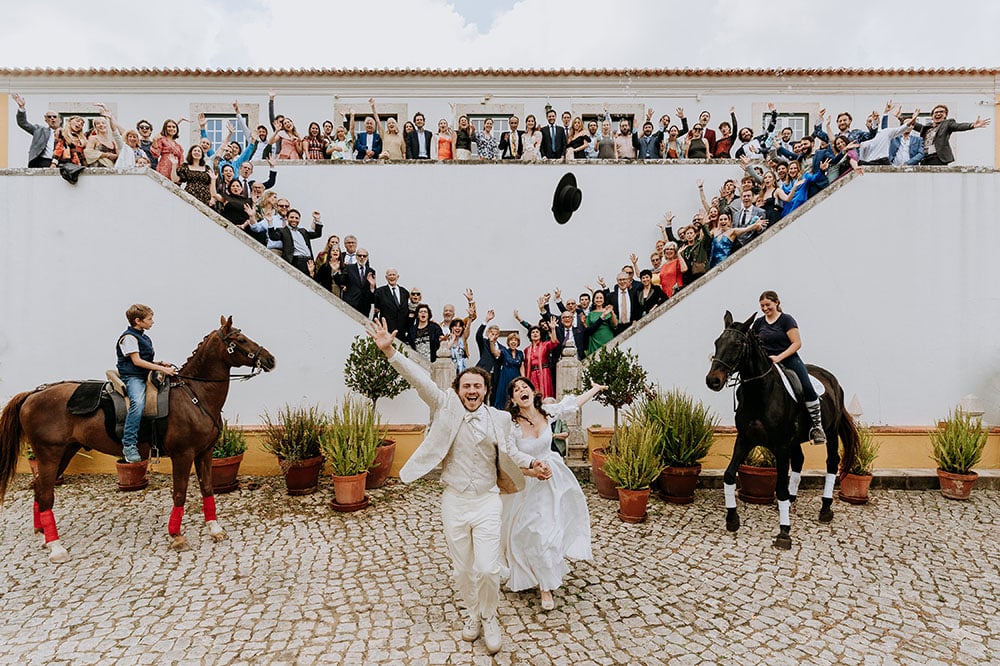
x=196 y=399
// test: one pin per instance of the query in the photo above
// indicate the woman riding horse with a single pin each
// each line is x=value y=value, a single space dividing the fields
x=42 y=417
x=766 y=415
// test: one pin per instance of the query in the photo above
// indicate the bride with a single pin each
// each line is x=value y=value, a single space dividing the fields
x=548 y=521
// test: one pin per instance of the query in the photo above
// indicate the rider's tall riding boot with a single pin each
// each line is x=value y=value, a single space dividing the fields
x=816 y=432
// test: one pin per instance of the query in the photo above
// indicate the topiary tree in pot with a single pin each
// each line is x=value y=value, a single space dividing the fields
x=626 y=381
x=367 y=371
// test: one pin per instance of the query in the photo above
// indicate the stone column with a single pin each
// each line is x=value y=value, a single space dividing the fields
x=569 y=379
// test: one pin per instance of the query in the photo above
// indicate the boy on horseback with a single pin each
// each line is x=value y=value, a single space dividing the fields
x=135 y=360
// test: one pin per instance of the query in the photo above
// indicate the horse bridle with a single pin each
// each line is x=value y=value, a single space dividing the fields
x=735 y=376
x=231 y=348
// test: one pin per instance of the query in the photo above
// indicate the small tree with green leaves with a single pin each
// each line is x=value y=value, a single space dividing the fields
x=367 y=371
x=620 y=371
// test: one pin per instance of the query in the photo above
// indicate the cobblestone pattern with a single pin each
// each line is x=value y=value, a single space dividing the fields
x=911 y=578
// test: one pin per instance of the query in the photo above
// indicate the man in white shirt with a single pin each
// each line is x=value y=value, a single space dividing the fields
x=474 y=443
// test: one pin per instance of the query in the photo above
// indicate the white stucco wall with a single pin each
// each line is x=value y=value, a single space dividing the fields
x=891 y=277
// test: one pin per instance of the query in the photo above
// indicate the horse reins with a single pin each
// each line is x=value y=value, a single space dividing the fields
x=735 y=375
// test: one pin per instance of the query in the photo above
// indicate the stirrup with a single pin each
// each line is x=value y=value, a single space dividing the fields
x=817 y=436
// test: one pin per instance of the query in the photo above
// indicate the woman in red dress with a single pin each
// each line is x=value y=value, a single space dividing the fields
x=169 y=152
x=536 y=361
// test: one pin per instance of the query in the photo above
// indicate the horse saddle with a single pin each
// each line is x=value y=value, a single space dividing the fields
x=111 y=397
x=794 y=386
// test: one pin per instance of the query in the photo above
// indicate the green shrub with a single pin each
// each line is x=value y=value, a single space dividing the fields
x=959 y=442
x=685 y=428
x=634 y=464
x=367 y=371
x=230 y=442
x=351 y=437
x=294 y=433
x=760 y=456
x=621 y=372
x=868 y=448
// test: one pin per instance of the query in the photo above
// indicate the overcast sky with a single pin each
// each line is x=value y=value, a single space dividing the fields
x=500 y=33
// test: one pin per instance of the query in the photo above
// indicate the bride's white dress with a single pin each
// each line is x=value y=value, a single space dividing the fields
x=548 y=521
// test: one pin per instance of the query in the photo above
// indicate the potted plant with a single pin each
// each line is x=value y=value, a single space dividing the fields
x=958 y=447
x=368 y=372
x=293 y=436
x=227 y=454
x=626 y=380
x=758 y=477
x=349 y=444
x=632 y=466
x=685 y=429
x=858 y=479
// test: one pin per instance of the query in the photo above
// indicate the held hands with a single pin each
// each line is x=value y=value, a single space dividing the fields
x=541 y=471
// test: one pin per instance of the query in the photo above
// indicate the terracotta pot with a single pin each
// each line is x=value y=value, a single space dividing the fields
x=956 y=486
x=632 y=505
x=349 y=490
x=302 y=477
x=677 y=484
x=379 y=471
x=132 y=476
x=224 y=471
x=757 y=484
x=605 y=486
x=33 y=464
x=854 y=488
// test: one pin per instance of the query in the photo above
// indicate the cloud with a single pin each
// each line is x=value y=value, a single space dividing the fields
x=538 y=34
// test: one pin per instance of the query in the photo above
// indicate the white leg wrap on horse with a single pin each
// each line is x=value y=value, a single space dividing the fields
x=793 y=483
x=783 y=506
x=828 y=486
x=213 y=527
x=57 y=553
x=730 y=490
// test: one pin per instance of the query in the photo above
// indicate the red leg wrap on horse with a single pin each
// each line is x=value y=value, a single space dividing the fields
x=208 y=507
x=35 y=518
x=174 y=527
x=48 y=524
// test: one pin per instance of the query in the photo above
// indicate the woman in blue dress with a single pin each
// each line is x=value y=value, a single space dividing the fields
x=726 y=233
x=796 y=191
x=510 y=363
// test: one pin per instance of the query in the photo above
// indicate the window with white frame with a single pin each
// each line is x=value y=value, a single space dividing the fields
x=616 y=119
x=798 y=122
x=501 y=124
x=359 y=122
x=215 y=128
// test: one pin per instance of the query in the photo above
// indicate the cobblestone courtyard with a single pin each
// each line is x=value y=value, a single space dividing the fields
x=911 y=578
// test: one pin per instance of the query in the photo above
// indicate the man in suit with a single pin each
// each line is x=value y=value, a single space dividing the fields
x=512 y=143
x=648 y=145
x=418 y=144
x=43 y=137
x=391 y=303
x=296 y=246
x=246 y=170
x=368 y=145
x=744 y=214
x=569 y=332
x=474 y=443
x=553 y=138
x=623 y=298
x=906 y=149
x=937 y=135
x=358 y=281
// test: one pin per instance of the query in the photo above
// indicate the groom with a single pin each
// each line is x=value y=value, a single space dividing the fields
x=475 y=445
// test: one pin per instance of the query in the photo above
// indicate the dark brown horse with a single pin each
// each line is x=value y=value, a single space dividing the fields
x=196 y=399
x=767 y=416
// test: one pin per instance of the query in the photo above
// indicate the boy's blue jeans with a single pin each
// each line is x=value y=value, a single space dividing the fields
x=135 y=387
